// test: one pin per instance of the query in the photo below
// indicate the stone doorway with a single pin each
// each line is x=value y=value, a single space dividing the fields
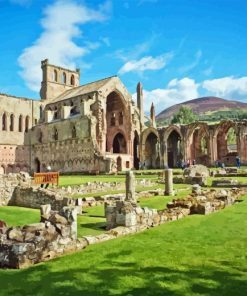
x=119 y=144
x=151 y=152
x=174 y=155
x=37 y=165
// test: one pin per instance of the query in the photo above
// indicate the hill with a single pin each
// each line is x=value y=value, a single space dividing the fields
x=204 y=105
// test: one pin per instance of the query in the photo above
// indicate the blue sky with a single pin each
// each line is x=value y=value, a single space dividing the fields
x=178 y=49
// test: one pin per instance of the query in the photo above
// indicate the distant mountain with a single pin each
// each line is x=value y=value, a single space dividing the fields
x=202 y=106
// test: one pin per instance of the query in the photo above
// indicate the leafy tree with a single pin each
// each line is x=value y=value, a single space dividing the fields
x=184 y=115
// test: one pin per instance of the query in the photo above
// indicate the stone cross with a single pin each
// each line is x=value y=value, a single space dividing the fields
x=169 y=182
x=130 y=187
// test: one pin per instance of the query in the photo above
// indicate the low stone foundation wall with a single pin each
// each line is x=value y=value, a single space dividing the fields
x=128 y=214
x=30 y=197
x=55 y=235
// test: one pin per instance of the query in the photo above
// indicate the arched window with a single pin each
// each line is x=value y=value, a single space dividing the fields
x=64 y=78
x=20 y=123
x=11 y=126
x=26 y=124
x=55 y=134
x=55 y=115
x=73 y=132
x=55 y=75
x=72 y=80
x=4 y=122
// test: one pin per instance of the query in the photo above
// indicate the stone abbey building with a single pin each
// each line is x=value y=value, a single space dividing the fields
x=98 y=127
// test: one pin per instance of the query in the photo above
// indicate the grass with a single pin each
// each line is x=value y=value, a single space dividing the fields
x=16 y=216
x=198 y=255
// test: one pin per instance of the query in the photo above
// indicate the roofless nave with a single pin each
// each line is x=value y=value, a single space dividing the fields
x=97 y=126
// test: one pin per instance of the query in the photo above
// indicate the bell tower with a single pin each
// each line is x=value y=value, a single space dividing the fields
x=56 y=80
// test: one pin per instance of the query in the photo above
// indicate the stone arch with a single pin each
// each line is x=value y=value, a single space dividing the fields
x=119 y=144
x=72 y=79
x=116 y=104
x=12 y=122
x=197 y=133
x=150 y=153
x=4 y=122
x=20 y=126
x=55 y=75
x=174 y=148
x=224 y=154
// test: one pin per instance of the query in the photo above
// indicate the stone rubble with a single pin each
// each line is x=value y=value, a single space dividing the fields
x=56 y=234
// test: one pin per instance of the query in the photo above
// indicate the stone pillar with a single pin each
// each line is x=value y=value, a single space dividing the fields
x=169 y=182
x=130 y=187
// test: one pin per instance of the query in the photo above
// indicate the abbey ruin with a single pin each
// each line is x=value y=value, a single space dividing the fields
x=98 y=127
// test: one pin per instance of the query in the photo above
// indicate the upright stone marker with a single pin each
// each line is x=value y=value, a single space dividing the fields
x=169 y=182
x=130 y=187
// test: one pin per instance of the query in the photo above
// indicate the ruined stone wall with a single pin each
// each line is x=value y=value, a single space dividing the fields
x=9 y=182
x=18 y=116
x=55 y=235
x=128 y=214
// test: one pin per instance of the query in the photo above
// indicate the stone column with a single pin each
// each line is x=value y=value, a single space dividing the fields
x=169 y=182
x=130 y=187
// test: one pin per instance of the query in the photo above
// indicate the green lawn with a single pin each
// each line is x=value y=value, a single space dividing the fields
x=198 y=255
x=15 y=216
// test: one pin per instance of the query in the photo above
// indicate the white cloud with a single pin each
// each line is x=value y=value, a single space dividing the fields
x=146 y=63
x=227 y=87
x=191 y=66
x=61 y=25
x=177 y=91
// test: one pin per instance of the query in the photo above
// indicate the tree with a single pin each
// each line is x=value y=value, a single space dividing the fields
x=184 y=115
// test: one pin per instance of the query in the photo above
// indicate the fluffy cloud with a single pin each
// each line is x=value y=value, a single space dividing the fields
x=60 y=26
x=146 y=63
x=177 y=91
x=227 y=87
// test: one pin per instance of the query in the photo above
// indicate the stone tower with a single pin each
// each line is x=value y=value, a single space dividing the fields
x=56 y=80
x=152 y=116
x=140 y=103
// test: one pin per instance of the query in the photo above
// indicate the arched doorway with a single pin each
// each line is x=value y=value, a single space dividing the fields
x=119 y=144
x=37 y=165
x=199 y=144
x=174 y=155
x=136 y=151
x=116 y=119
x=227 y=143
x=151 y=152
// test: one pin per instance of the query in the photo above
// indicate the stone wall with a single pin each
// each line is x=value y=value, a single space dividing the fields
x=8 y=184
x=129 y=214
x=30 y=197
x=55 y=235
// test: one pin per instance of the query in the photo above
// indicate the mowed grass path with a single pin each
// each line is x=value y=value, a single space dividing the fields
x=198 y=255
